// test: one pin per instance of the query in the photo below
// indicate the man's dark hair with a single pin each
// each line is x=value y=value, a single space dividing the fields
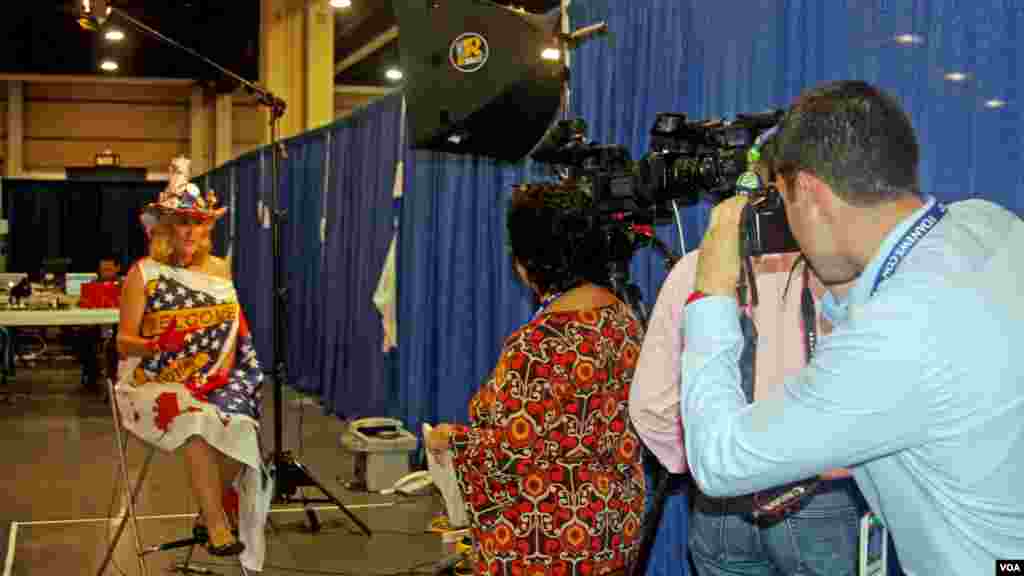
x=855 y=138
x=110 y=256
x=551 y=233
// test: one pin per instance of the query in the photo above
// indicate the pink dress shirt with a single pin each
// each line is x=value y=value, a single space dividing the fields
x=654 y=396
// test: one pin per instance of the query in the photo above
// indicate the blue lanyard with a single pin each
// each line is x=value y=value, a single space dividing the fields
x=545 y=303
x=910 y=238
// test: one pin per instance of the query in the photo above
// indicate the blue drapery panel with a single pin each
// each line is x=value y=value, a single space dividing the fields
x=456 y=293
x=252 y=255
x=700 y=58
x=302 y=187
x=341 y=175
x=778 y=49
x=350 y=365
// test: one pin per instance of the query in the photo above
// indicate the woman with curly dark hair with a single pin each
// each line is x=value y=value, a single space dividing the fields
x=549 y=466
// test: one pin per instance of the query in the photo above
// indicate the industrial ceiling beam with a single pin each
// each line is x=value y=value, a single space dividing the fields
x=367 y=50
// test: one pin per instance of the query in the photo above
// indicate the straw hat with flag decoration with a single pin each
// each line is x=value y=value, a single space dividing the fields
x=182 y=198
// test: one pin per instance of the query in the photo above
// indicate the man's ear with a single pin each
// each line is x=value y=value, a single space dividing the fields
x=828 y=205
x=811 y=189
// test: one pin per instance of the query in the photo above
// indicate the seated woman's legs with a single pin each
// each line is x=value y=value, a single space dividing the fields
x=229 y=469
x=204 y=471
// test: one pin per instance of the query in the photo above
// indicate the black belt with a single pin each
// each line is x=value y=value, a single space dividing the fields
x=742 y=505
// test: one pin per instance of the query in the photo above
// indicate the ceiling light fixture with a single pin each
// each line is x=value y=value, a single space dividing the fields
x=551 y=54
x=96 y=11
x=956 y=76
x=114 y=35
x=109 y=65
x=341 y=3
x=394 y=74
x=995 y=103
x=909 y=39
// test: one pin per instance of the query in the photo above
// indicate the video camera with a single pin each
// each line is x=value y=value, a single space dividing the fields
x=686 y=161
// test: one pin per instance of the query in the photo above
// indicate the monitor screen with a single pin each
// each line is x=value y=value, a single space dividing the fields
x=75 y=281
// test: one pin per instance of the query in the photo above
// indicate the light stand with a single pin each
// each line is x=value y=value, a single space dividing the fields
x=290 y=474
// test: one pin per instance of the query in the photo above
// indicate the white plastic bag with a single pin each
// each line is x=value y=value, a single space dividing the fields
x=255 y=494
x=443 y=474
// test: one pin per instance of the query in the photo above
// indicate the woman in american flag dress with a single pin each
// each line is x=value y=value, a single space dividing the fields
x=189 y=380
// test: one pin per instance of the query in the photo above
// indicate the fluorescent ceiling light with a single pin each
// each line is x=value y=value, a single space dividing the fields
x=114 y=35
x=109 y=65
x=909 y=39
x=956 y=76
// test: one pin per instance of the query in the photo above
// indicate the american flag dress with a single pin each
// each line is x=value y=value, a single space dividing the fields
x=161 y=399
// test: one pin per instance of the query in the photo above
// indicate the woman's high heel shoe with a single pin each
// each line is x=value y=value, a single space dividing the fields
x=230 y=546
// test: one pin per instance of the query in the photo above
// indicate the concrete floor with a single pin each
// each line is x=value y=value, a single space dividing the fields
x=62 y=488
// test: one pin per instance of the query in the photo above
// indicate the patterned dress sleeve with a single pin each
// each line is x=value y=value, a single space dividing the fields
x=480 y=449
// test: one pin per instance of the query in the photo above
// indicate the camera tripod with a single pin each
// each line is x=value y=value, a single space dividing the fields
x=664 y=482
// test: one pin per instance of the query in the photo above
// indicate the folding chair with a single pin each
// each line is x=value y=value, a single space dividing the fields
x=199 y=534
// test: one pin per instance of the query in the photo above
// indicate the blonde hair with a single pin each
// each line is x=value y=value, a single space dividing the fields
x=161 y=242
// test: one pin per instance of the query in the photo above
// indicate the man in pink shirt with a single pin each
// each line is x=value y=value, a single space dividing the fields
x=821 y=535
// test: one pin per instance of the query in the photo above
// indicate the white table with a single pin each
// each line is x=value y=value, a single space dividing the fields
x=69 y=317
x=42 y=318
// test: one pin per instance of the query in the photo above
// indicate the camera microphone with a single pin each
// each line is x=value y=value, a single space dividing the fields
x=748 y=183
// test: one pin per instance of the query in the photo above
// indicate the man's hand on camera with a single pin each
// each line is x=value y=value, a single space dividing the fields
x=718 y=268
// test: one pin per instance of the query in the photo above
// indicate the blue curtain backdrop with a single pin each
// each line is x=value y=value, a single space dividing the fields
x=338 y=179
x=456 y=294
x=302 y=189
x=350 y=365
x=253 y=251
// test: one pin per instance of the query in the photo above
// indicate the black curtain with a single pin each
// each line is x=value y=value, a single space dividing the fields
x=82 y=221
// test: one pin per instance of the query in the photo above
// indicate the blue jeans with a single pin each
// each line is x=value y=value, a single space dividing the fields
x=819 y=539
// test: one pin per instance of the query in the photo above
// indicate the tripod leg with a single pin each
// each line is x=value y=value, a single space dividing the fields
x=314 y=482
x=314 y=521
x=188 y=559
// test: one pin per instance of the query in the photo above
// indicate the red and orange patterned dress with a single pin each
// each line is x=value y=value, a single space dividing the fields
x=550 y=465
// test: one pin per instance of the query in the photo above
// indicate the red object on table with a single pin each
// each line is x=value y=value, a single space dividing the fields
x=100 y=295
